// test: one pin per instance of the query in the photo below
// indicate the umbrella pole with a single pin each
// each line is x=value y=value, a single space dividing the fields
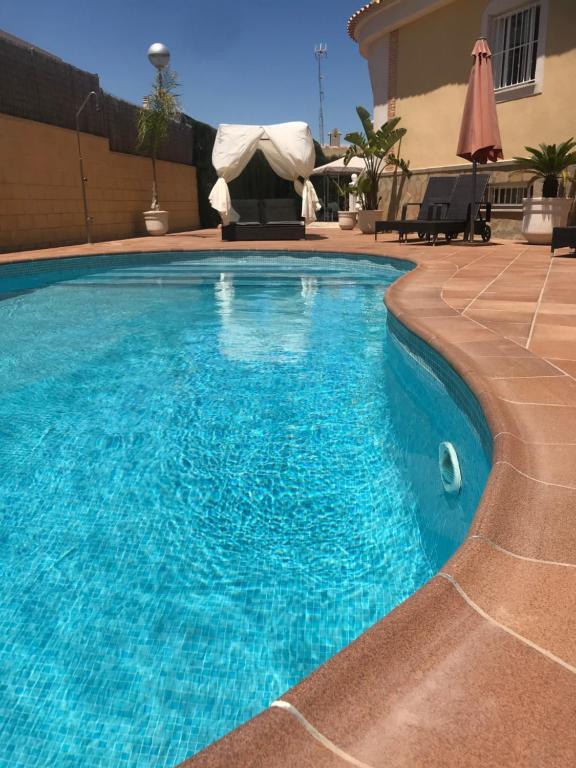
x=472 y=224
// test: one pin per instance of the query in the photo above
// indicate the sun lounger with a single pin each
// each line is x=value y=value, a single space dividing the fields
x=454 y=218
x=436 y=196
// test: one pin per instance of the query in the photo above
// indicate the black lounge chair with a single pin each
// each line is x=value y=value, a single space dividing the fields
x=454 y=218
x=272 y=219
x=437 y=193
x=563 y=237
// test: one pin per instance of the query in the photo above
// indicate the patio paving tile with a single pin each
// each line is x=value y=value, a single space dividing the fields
x=536 y=600
x=569 y=366
x=551 y=463
x=527 y=516
x=559 y=391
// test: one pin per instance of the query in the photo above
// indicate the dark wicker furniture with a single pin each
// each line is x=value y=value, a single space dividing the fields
x=563 y=237
x=272 y=219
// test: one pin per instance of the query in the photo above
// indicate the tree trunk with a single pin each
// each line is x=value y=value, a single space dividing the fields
x=155 y=205
x=550 y=186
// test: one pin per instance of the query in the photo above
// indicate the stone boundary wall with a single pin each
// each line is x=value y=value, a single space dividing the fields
x=41 y=195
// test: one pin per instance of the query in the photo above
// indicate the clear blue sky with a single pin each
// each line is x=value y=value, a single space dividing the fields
x=238 y=62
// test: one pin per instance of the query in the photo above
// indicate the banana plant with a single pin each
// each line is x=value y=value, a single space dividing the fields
x=374 y=147
x=549 y=162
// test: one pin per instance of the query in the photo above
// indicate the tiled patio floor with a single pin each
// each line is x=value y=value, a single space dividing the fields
x=478 y=668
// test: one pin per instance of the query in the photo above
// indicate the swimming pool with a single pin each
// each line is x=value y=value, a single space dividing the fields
x=210 y=484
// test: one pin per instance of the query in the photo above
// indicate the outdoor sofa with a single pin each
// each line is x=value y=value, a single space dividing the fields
x=449 y=217
x=563 y=237
x=270 y=219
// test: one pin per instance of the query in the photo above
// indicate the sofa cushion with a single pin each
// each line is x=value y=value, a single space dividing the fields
x=281 y=210
x=248 y=210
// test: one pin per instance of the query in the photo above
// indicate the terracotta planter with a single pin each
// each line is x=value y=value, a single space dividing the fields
x=366 y=220
x=347 y=219
x=156 y=222
x=541 y=215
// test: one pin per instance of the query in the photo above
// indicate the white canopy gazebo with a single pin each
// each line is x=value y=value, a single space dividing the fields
x=289 y=149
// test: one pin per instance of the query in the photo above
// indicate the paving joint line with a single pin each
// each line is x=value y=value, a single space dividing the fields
x=498 y=276
x=527 y=442
x=315 y=733
x=538 y=560
x=534 y=479
x=539 y=302
x=525 y=640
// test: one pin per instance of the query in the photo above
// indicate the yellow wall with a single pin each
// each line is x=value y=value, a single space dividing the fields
x=433 y=69
x=40 y=191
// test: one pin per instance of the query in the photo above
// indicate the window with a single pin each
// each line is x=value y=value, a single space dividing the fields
x=507 y=194
x=515 y=46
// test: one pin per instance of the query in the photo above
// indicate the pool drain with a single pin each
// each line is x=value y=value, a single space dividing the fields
x=449 y=469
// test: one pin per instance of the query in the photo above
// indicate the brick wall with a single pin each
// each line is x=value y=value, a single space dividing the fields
x=40 y=189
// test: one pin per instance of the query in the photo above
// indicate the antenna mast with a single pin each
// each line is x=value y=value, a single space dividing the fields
x=321 y=52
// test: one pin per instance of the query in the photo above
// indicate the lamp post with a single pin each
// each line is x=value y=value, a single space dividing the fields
x=159 y=57
x=83 y=179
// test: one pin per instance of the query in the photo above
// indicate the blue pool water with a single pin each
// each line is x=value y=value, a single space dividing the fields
x=206 y=490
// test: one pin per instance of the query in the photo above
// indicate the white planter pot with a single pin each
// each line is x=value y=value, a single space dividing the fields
x=156 y=222
x=366 y=220
x=541 y=215
x=347 y=219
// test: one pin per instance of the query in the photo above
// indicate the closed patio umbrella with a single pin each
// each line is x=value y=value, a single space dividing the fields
x=480 y=139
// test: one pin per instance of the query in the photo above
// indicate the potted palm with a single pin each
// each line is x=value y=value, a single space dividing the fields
x=347 y=216
x=374 y=147
x=161 y=107
x=550 y=162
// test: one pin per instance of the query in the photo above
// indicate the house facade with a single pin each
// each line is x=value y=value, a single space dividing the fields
x=418 y=54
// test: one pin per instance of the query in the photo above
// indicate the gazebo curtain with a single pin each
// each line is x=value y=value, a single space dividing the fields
x=289 y=149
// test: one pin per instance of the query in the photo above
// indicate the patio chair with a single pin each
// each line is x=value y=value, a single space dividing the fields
x=563 y=237
x=454 y=218
x=437 y=193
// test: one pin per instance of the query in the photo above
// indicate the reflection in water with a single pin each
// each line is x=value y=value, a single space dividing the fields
x=262 y=323
x=309 y=288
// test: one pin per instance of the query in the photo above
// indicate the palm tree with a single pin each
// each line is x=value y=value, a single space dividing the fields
x=375 y=148
x=161 y=107
x=550 y=162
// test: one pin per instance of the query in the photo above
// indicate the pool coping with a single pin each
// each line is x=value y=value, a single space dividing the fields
x=477 y=667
